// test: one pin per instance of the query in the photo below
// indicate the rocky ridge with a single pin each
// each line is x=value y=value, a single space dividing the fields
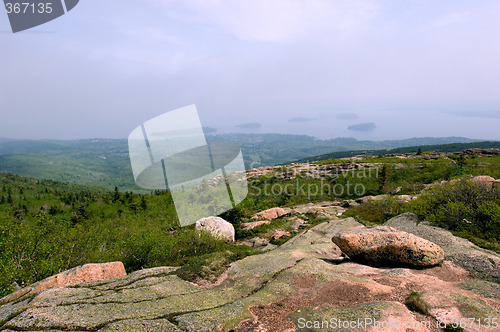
x=318 y=171
x=306 y=279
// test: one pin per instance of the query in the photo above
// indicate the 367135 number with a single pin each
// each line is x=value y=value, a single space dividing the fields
x=27 y=7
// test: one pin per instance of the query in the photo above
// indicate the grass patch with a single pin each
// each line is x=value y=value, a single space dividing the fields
x=493 y=244
x=415 y=303
x=331 y=161
x=210 y=266
x=376 y=211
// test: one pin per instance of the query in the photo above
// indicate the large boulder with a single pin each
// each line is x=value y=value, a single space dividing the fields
x=481 y=263
x=484 y=181
x=269 y=214
x=386 y=246
x=217 y=227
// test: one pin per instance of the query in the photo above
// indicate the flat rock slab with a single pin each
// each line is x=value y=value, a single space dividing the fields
x=79 y=274
x=141 y=325
x=269 y=214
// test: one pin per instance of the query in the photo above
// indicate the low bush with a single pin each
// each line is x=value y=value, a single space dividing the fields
x=467 y=208
x=453 y=328
x=415 y=303
x=377 y=211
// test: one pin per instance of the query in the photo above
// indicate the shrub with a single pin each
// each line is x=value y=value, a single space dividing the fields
x=453 y=328
x=415 y=303
x=469 y=209
x=460 y=205
x=377 y=211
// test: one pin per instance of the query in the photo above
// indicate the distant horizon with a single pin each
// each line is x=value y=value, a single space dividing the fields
x=257 y=134
x=379 y=126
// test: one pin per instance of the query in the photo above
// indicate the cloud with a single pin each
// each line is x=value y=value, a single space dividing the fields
x=368 y=126
x=452 y=19
x=272 y=21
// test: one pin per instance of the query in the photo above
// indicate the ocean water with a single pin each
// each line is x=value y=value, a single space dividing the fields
x=388 y=125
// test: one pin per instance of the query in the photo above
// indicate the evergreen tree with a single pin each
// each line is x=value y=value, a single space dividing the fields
x=383 y=178
x=144 y=204
x=116 y=195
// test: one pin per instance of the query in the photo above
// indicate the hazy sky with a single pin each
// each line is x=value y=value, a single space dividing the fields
x=412 y=68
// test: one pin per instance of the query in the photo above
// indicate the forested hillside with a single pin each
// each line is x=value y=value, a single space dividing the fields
x=105 y=162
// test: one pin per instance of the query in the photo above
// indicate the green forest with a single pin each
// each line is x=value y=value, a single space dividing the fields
x=105 y=162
